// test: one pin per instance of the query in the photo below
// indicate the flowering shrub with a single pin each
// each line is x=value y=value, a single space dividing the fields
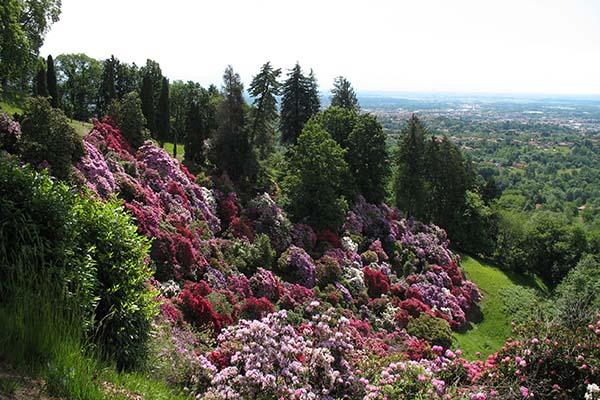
x=377 y=283
x=10 y=133
x=550 y=361
x=297 y=266
x=268 y=218
x=253 y=308
x=270 y=359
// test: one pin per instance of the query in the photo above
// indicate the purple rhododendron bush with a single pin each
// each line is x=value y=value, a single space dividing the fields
x=256 y=307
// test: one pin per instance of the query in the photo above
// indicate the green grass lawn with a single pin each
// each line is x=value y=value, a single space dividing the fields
x=500 y=289
x=180 y=150
x=82 y=128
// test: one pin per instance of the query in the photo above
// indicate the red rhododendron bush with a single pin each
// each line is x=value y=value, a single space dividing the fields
x=257 y=307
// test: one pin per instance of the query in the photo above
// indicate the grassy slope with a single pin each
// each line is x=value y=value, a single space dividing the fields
x=180 y=150
x=489 y=335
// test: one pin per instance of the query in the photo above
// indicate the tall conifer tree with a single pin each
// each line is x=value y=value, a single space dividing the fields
x=163 y=116
x=41 y=85
x=299 y=102
x=232 y=151
x=343 y=94
x=410 y=185
x=51 y=83
x=147 y=98
x=264 y=89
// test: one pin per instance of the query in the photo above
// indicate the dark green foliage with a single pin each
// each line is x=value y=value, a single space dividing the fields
x=315 y=178
x=264 y=88
x=48 y=137
x=475 y=229
x=367 y=158
x=343 y=94
x=125 y=306
x=232 y=151
x=107 y=92
x=79 y=78
x=446 y=182
x=300 y=101
x=578 y=295
x=41 y=85
x=434 y=330
x=410 y=180
x=200 y=124
x=130 y=119
x=545 y=244
x=54 y=239
x=24 y=25
x=147 y=103
x=189 y=109
x=163 y=114
x=51 y=82
x=339 y=122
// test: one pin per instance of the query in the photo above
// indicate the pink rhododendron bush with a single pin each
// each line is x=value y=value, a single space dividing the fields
x=291 y=313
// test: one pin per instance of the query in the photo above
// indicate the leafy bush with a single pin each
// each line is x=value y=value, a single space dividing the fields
x=434 y=330
x=88 y=249
x=48 y=138
x=125 y=306
x=578 y=295
x=130 y=119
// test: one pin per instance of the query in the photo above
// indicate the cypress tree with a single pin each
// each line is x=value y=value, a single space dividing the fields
x=107 y=85
x=147 y=98
x=163 y=116
x=343 y=94
x=410 y=189
x=264 y=89
x=51 y=83
x=41 y=85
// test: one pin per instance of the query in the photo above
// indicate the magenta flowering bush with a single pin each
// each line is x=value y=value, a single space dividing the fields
x=212 y=259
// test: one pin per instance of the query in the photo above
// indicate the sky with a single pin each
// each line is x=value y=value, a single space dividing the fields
x=465 y=46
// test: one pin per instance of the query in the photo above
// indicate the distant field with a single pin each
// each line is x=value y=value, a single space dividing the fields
x=490 y=334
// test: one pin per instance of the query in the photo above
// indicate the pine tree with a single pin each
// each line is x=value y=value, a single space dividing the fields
x=343 y=94
x=41 y=85
x=232 y=151
x=300 y=101
x=264 y=89
x=107 y=92
x=410 y=186
x=163 y=116
x=51 y=83
x=367 y=158
x=147 y=98
x=200 y=124
x=312 y=90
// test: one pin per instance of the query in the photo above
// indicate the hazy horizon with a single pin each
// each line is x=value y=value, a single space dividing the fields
x=470 y=47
